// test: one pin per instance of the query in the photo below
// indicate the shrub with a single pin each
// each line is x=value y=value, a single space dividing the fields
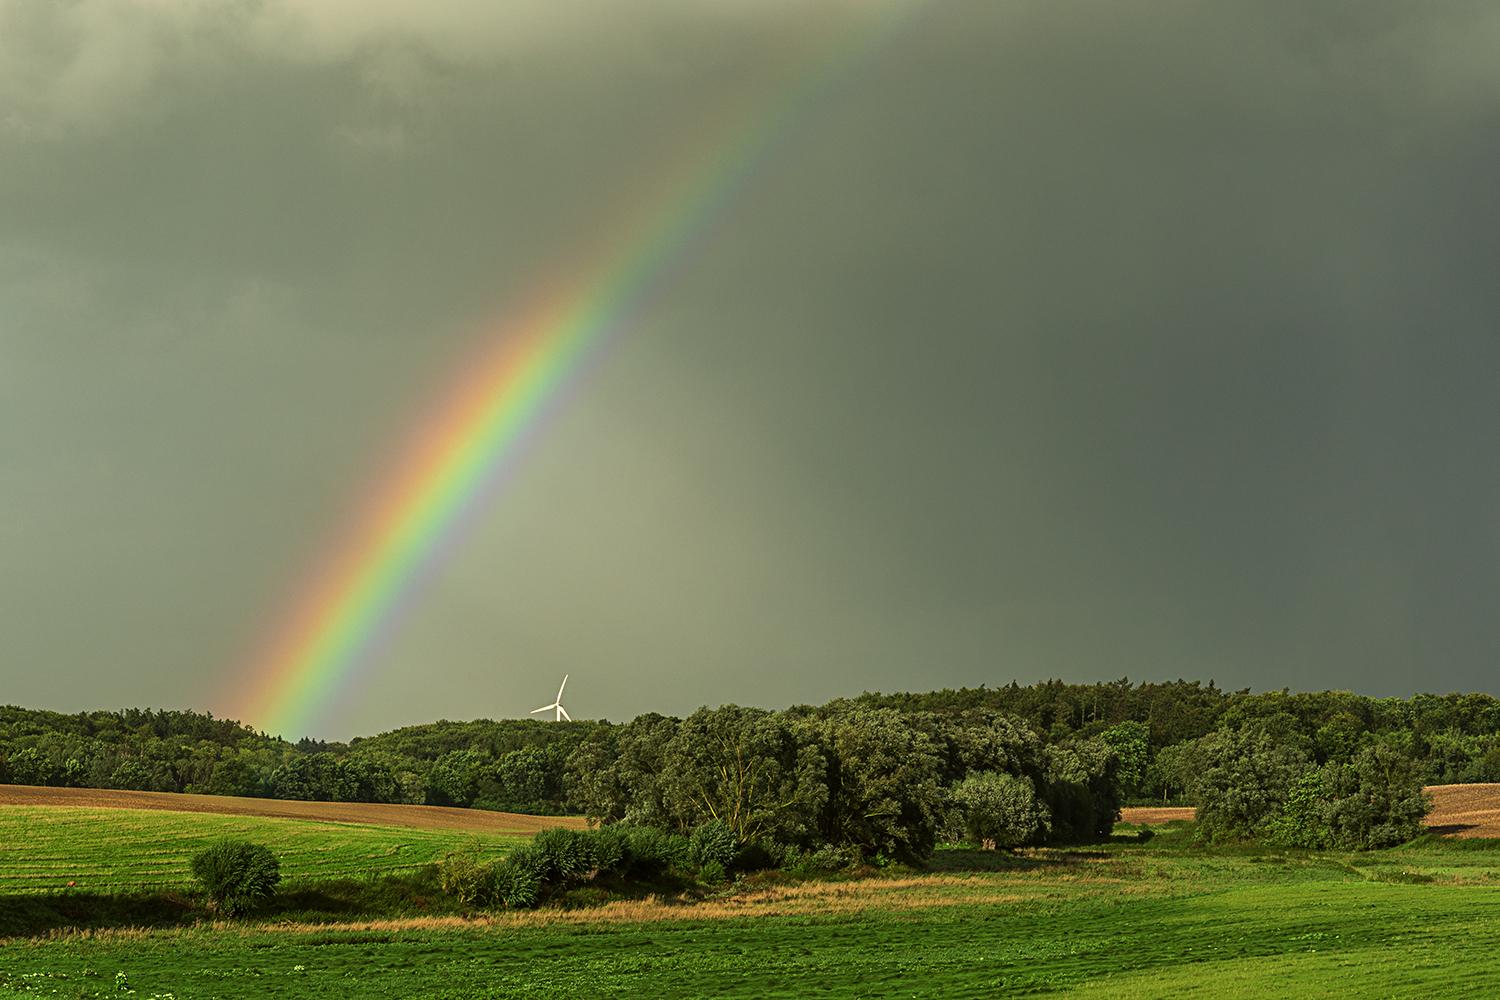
x=651 y=853
x=784 y=856
x=611 y=849
x=566 y=855
x=237 y=875
x=826 y=860
x=713 y=843
x=465 y=876
x=756 y=856
x=517 y=881
x=1001 y=809
x=712 y=872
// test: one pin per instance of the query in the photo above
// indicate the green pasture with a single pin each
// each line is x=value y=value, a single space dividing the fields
x=43 y=848
x=1162 y=918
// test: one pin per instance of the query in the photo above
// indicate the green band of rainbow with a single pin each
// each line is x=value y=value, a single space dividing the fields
x=475 y=431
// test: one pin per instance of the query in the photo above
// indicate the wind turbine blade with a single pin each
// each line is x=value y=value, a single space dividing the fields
x=560 y=689
x=544 y=708
x=565 y=714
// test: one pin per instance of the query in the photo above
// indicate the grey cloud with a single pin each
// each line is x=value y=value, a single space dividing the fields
x=1057 y=339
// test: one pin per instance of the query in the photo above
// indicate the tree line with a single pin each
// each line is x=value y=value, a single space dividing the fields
x=878 y=781
x=803 y=773
x=509 y=765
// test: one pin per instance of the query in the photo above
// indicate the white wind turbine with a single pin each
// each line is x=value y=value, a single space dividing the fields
x=562 y=713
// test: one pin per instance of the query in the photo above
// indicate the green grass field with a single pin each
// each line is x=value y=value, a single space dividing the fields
x=1128 y=920
x=43 y=848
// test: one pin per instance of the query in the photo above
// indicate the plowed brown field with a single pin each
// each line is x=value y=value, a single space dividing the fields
x=1155 y=814
x=1457 y=811
x=378 y=814
x=1465 y=810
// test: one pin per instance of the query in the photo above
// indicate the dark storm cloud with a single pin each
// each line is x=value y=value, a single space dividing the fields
x=1060 y=339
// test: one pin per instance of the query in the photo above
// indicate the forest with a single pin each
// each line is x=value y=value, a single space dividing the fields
x=1081 y=750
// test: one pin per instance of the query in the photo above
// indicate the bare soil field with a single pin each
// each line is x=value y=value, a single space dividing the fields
x=1465 y=810
x=1136 y=815
x=1457 y=811
x=377 y=814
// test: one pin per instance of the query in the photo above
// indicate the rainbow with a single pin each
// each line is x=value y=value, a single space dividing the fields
x=464 y=448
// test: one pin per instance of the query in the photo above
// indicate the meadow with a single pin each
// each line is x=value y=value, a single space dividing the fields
x=49 y=850
x=1128 y=919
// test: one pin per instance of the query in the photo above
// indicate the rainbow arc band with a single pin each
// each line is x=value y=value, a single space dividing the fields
x=466 y=447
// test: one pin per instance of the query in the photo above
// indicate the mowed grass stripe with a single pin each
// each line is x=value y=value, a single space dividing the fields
x=43 y=848
x=1246 y=938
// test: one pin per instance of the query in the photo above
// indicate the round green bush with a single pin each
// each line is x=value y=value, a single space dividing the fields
x=1001 y=809
x=237 y=875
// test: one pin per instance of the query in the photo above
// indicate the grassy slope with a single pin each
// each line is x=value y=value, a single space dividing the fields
x=42 y=848
x=1144 y=921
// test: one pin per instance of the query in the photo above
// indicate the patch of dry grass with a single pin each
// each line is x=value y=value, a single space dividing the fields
x=917 y=892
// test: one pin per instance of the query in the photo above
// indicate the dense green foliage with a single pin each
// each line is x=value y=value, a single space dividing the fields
x=1454 y=738
x=1258 y=781
x=558 y=860
x=876 y=772
x=1141 y=921
x=874 y=780
x=513 y=765
x=713 y=843
x=1374 y=801
x=1131 y=743
x=237 y=875
x=518 y=880
x=1243 y=781
x=1000 y=809
x=515 y=880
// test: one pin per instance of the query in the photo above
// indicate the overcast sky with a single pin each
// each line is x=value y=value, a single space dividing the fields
x=1054 y=339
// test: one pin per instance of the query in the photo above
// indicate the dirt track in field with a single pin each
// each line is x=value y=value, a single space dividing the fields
x=1457 y=811
x=376 y=814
